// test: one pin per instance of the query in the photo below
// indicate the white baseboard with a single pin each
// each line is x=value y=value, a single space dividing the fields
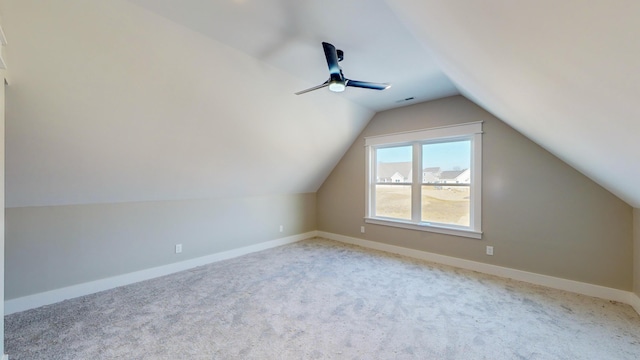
x=533 y=278
x=69 y=292
x=634 y=300
x=5 y=357
x=57 y=295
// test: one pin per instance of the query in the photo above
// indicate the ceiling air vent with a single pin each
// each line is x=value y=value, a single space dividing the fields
x=405 y=99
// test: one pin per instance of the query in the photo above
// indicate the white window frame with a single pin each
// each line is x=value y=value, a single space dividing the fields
x=468 y=131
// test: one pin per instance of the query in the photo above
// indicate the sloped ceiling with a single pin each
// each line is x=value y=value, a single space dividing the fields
x=163 y=99
x=109 y=102
x=564 y=73
x=287 y=34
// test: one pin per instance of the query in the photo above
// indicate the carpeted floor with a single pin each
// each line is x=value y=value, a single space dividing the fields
x=319 y=299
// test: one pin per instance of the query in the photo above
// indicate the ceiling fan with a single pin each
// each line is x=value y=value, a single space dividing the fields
x=337 y=82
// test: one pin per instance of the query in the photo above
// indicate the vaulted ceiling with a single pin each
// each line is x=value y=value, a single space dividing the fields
x=154 y=100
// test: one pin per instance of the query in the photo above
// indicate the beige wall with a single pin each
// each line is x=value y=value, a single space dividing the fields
x=636 y=251
x=540 y=214
x=51 y=247
x=2 y=221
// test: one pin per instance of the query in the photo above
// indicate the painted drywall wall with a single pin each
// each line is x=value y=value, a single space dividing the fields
x=51 y=247
x=636 y=251
x=2 y=211
x=539 y=214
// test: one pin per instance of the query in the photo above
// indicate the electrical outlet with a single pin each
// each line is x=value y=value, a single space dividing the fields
x=178 y=248
x=281 y=228
x=489 y=250
x=362 y=229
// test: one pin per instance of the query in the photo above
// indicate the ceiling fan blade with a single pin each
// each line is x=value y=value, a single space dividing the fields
x=324 y=84
x=331 y=54
x=367 y=85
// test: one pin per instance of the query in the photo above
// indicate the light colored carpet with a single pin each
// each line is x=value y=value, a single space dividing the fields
x=319 y=299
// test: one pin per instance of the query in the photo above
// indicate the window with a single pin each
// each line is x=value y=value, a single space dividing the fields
x=427 y=180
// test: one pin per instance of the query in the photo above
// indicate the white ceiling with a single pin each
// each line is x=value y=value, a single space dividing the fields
x=564 y=73
x=108 y=102
x=287 y=34
x=132 y=100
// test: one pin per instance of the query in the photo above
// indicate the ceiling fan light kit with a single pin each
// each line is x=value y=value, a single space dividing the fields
x=337 y=86
x=337 y=82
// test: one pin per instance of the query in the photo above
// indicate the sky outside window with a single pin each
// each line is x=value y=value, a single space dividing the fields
x=395 y=154
x=447 y=155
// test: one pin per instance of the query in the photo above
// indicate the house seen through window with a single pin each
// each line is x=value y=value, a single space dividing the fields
x=426 y=180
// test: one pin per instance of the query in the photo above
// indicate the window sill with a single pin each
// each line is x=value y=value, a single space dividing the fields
x=425 y=227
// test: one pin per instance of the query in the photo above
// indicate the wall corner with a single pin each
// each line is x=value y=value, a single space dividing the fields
x=636 y=253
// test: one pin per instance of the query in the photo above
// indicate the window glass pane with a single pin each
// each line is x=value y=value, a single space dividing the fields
x=393 y=164
x=446 y=204
x=447 y=162
x=393 y=201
